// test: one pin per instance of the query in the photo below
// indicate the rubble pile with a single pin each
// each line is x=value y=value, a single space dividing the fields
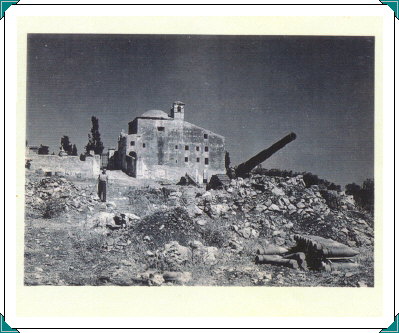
x=172 y=261
x=276 y=208
x=182 y=225
x=187 y=235
x=177 y=256
x=166 y=225
x=58 y=193
x=247 y=210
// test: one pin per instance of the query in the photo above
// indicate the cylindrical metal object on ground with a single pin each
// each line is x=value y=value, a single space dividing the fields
x=339 y=266
x=300 y=257
x=271 y=249
x=276 y=260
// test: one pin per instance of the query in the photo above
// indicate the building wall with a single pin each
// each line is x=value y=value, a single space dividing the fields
x=121 y=153
x=67 y=165
x=166 y=148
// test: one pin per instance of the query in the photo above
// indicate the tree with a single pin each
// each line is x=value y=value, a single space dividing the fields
x=367 y=194
x=74 y=151
x=227 y=160
x=94 y=138
x=66 y=145
x=352 y=189
x=368 y=185
x=363 y=195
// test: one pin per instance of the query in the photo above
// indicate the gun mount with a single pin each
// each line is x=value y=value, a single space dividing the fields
x=244 y=168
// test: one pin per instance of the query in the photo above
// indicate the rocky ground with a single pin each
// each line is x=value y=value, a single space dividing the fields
x=153 y=234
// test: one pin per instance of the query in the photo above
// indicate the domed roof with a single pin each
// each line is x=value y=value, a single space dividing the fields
x=155 y=114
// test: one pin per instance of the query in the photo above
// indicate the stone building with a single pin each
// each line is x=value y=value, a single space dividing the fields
x=162 y=146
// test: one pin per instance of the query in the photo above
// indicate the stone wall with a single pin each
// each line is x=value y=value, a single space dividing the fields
x=66 y=165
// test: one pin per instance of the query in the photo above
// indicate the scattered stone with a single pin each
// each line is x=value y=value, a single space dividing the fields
x=300 y=205
x=177 y=277
x=274 y=207
x=201 y=222
x=126 y=263
x=278 y=191
x=155 y=280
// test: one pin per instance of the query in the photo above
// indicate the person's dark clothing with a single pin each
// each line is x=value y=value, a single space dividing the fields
x=102 y=190
x=102 y=187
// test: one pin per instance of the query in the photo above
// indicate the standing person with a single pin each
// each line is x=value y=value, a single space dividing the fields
x=102 y=185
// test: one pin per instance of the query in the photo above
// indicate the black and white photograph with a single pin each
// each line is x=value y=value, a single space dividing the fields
x=199 y=160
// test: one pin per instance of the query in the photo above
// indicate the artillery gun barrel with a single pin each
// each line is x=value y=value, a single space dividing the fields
x=247 y=166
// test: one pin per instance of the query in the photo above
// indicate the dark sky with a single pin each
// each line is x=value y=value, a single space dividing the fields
x=251 y=89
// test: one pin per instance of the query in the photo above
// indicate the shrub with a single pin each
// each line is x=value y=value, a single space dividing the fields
x=28 y=163
x=311 y=179
x=363 y=195
x=213 y=237
x=275 y=172
x=43 y=150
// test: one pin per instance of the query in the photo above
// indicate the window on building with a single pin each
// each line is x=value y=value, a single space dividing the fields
x=143 y=145
x=186 y=159
x=161 y=128
x=205 y=136
x=132 y=143
x=198 y=159
x=176 y=147
x=186 y=147
x=206 y=148
x=206 y=160
x=197 y=148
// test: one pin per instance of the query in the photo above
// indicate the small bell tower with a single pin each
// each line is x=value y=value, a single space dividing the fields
x=177 y=110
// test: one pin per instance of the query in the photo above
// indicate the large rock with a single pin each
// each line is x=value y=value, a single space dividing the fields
x=155 y=280
x=100 y=220
x=176 y=255
x=210 y=254
x=177 y=277
x=278 y=191
x=219 y=209
x=193 y=210
x=274 y=207
x=300 y=205
x=203 y=254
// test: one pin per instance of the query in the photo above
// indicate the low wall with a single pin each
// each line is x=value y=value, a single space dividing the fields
x=66 y=165
x=158 y=172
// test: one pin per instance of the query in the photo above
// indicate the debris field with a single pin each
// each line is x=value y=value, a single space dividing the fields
x=260 y=230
